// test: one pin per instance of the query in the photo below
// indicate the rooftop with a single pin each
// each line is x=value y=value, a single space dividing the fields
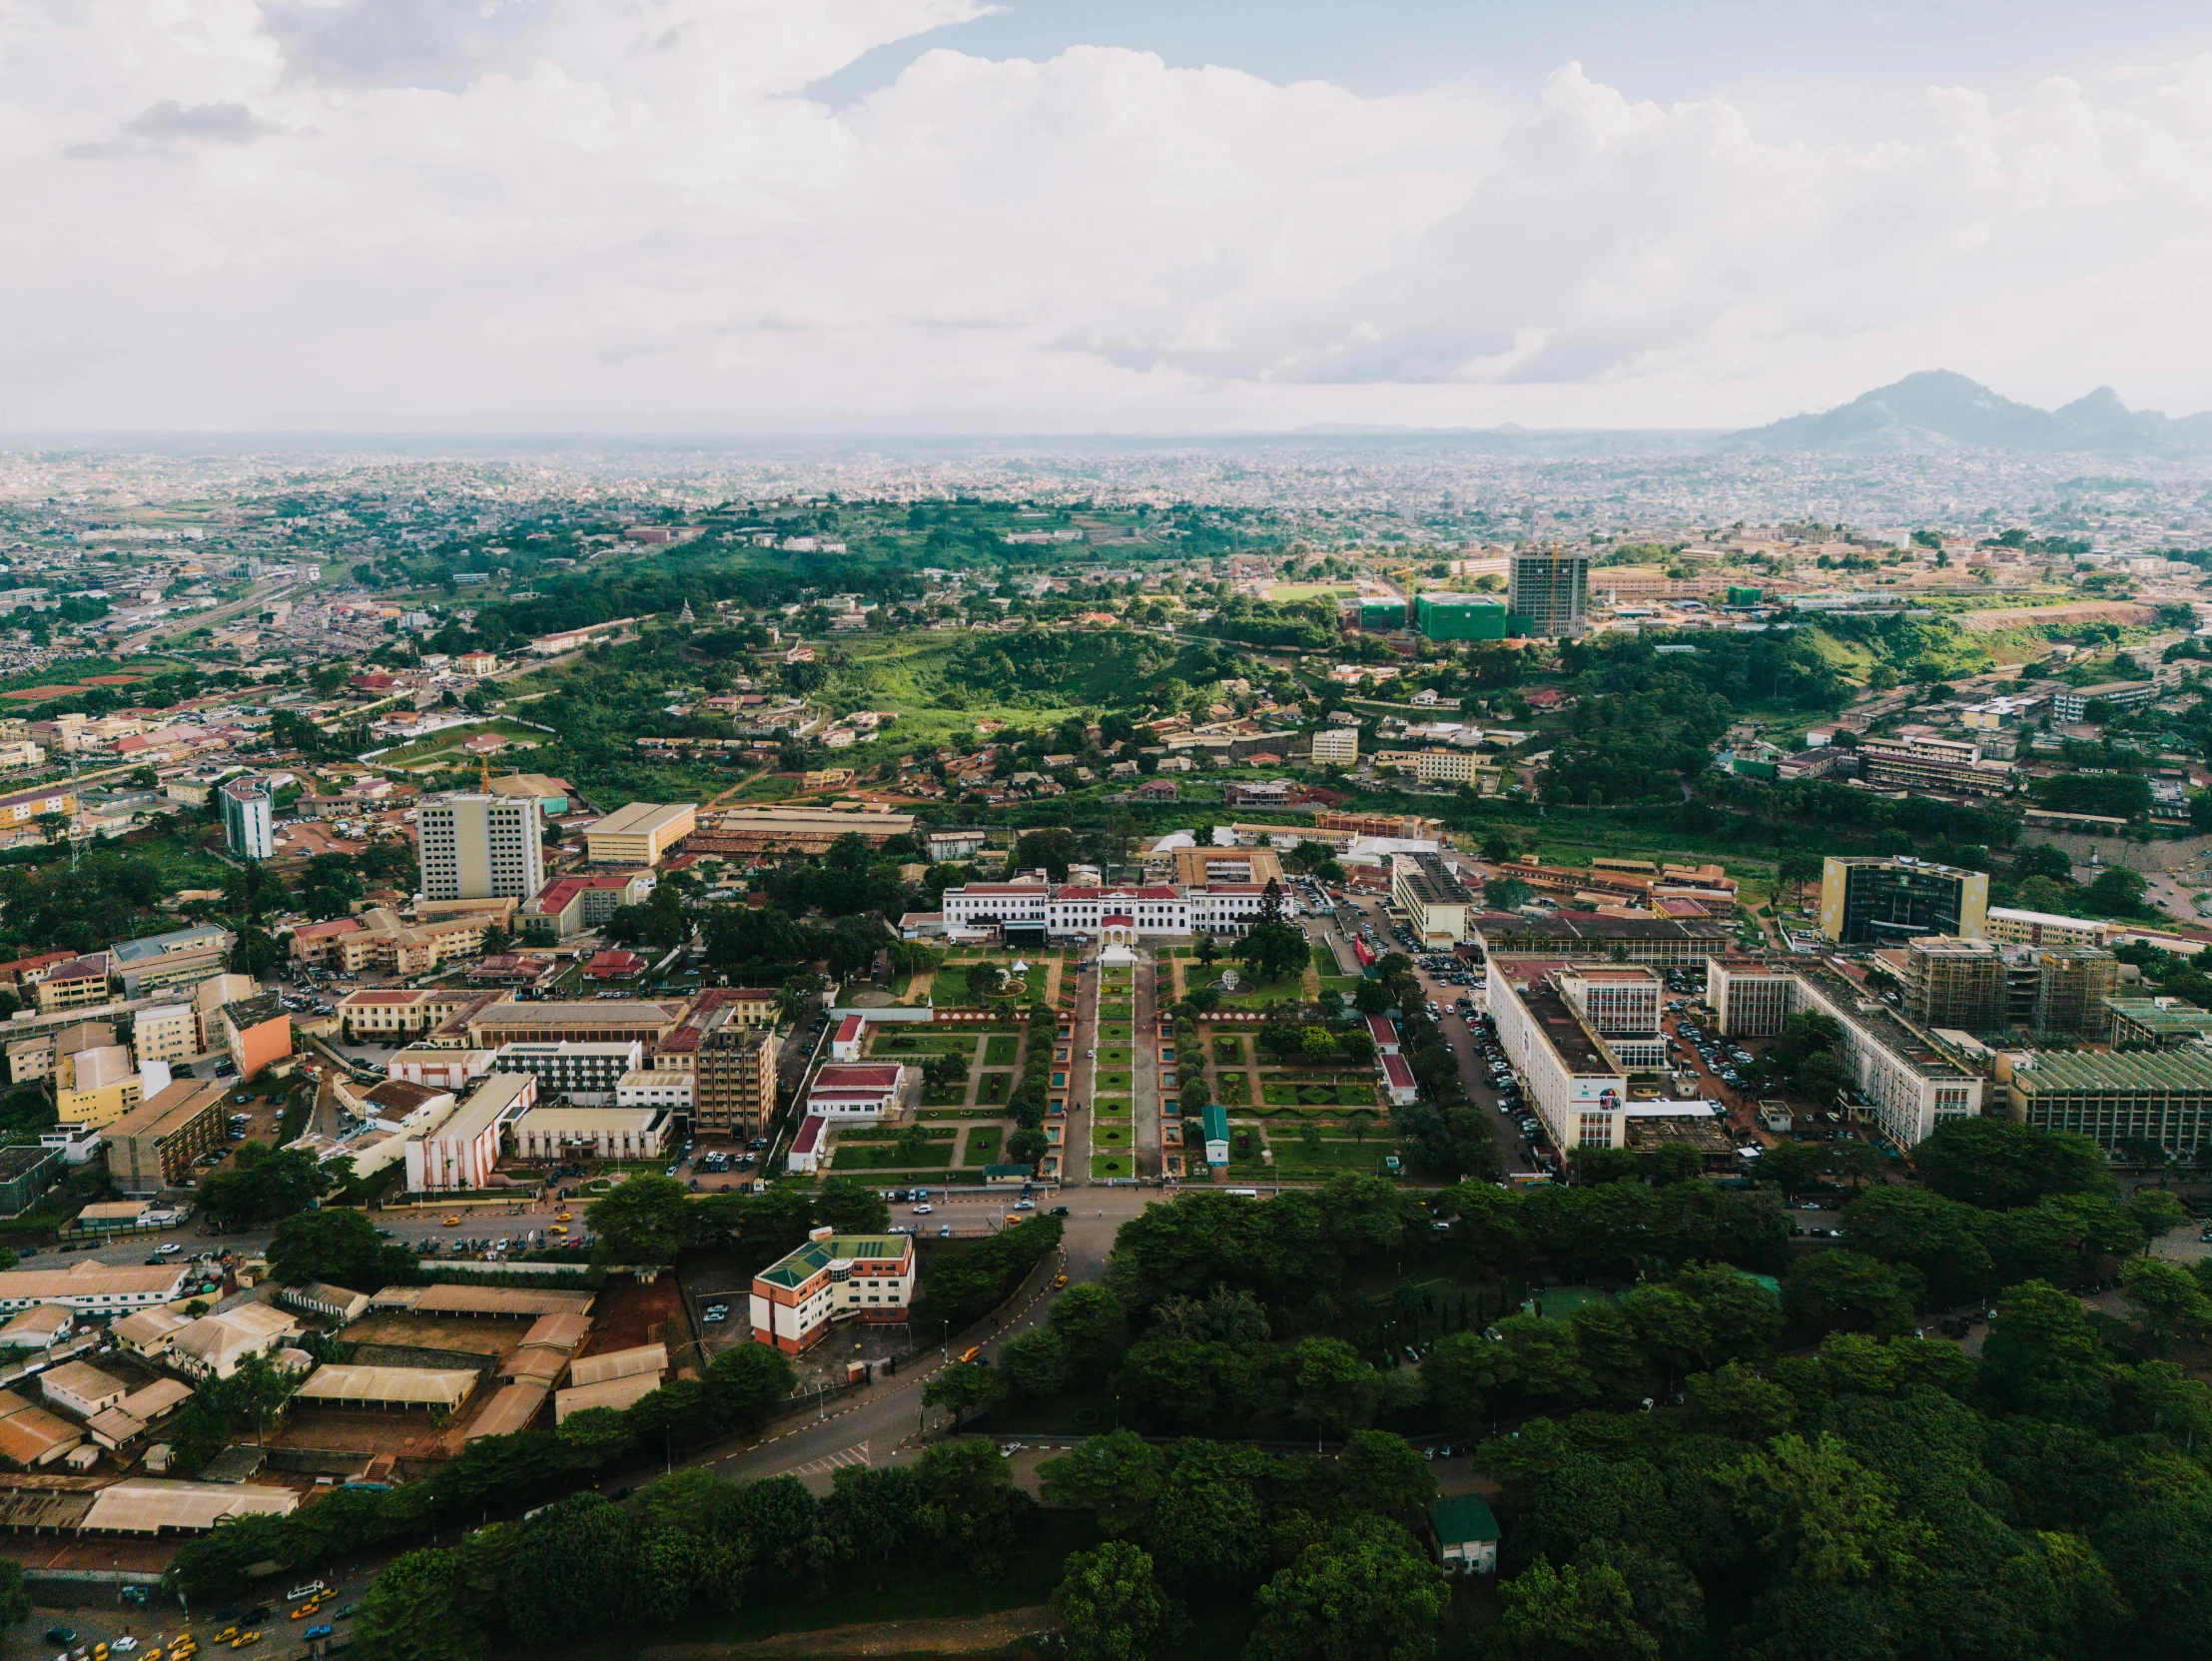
x=2186 y=1069
x=641 y=818
x=2168 y=1016
x=817 y=1254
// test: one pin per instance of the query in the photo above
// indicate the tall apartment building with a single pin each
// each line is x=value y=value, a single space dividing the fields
x=1336 y=746
x=249 y=819
x=1880 y=902
x=733 y=1086
x=1954 y=983
x=1550 y=587
x=481 y=848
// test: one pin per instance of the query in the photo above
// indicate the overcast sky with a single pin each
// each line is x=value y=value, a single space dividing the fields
x=1115 y=216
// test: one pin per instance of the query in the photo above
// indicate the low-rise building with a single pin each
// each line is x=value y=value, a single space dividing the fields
x=213 y=1346
x=90 y=1287
x=182 y=957
x=2146 y=1098
x=461 y=1151
x=585 y=1074
x=256 y=1032
x=860 y=1094
x=77 y=984
x=155 y=1145
x=567 y=1133
x=168 y=1033
x=641 y=833
x=2042 y=928
x=832 y=1277
x=2155 y=1023
x=2070 y=707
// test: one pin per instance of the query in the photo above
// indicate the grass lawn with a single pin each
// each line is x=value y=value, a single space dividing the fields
x=1345 y=985
x=1115 y=1055
x=1120 y=1084
x=1115 y=1031
x=1230 y=1050
x=1233 y=1087
x=1317 y=1096
x=1293 y=1155
x=885 y=1156
x=983 y=1145
x=1324 y=961
x=1103 y=1166
x=1111 y=1107
x=1111 y=1133
x=1000 y=1048
x=945 y=1096
x=951 y=1113
x=924 y=1043
x=996 y=1087
x=1121 y=1010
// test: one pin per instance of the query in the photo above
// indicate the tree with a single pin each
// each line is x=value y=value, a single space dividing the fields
x=1370 y=997
x=645 y=1221
x=1336 y=1389
x=851 y=1207
x=1463 y=1372
x=1821 y=1516
x=963 y=1388
x=1118 y=1477
x=1996 y=1164
x=1090 y=1321
x=1568 y=1614
x=1035 y=1363
x=1846 y=1291
x=1109 y=1605
x=1380 y=1474
x=747 y=1383
x=1506 y=894
x=2167 y=1302
x=338 y=1245
x=1055 y=850
x=414 y=1610
x=15 y=1602
x=1365 y=1595
x=263 y=1184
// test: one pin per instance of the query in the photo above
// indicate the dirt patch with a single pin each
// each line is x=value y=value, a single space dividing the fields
x=630 y=1312
x=39 y=694
x=114 y=681
x=970 y=1635
x=353 y=1431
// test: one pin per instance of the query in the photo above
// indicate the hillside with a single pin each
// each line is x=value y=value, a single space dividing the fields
x=1939 y=410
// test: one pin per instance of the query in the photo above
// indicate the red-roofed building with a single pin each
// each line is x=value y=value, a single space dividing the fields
x=809 y=1144
x=570 y=905
x=613 y=965
x=512 y=969
x=749 y=1006
x=1384 y=1032
x=1397 y=1079
x=863 y=1092
x=846 y=1045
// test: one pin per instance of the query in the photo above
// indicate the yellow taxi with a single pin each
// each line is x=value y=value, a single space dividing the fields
x=558 y=1229
x=244 y=1639
x=565 y=1217
x=452 y=1223
x=226 y=1636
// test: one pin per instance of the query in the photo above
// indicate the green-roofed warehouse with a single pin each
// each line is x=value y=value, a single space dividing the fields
x=2158 y=1097
x=1465 y=1533
x=1216 y=1118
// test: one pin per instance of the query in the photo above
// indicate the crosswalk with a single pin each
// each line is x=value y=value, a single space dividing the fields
x=857 y=1454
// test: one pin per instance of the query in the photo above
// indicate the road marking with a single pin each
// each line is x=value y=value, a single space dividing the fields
x=857 y=1454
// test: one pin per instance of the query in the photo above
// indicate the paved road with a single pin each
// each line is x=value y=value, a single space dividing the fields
x=880 y=1425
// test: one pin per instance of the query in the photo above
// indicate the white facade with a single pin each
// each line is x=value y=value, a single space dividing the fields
x=1010 y=904
x=461 y=1153
x=249 y=819
x=584 y=1072
x=1156 y=909
x=165 y=1033
x=1336 y=746
x=664 y=1086
x=1227 y=908
x=481 y=848
x=1574 y=1085
x=607 y=1134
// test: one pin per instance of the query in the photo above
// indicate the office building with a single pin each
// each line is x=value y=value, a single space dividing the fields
x=481 y=848
x=584 y=1073
x=165 y=1033
x=1337 y=747
x=1901 y=1080
x=556 y=1134
x=2072 y=983
x=640 y=834
x=2155 y=1023
x=1620 y=1005
x=2044 y=928
x=182 y=957
x=256 y=1032
x=461 y=1150
x=2071 y=706
x=1550 y=590
x=1575 y=1084
x=734 y=1079
x=154 y=1147
x=1436 y=901
x=1591 y=934
x=1954 y=983
x=1886 y=901
x=1446 y=616
x=2162 y=1097
x=832 y=1277
x=249 y=819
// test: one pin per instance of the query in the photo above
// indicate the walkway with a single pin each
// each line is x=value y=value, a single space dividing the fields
x=1145 y=1070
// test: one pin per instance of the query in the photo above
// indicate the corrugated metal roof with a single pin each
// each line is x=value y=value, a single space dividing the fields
x=614 y=1393
x=411 y=1386
x=619 y=1363
x=148 y=1505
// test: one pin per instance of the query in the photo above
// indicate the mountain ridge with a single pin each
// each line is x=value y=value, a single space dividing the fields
x=1938 y=409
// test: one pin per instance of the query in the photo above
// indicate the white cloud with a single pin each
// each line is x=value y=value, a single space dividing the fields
x=588 y=212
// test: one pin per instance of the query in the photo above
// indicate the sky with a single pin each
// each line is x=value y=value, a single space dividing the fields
x=1119 y=216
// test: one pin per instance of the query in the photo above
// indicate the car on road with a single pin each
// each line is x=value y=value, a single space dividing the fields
x=971 y=1353
x=925 y=1211
x=1059 y=1210
x=715 y=1311
x=452 y=1223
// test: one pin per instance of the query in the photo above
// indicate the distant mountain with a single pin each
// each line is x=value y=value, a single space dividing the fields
x=1938 y=409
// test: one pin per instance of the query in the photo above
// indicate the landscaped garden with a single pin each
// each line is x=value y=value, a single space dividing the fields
x=983 y=1145
x=995 y=1089
x=1340 y=1095
x=999 y=1050
x=1120 y=1082
x=1112 y=1106
x=1106 y=1165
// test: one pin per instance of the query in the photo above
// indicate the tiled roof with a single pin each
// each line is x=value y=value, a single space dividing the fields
x=817 y=1254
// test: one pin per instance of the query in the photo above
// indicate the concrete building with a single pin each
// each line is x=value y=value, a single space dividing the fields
x=1549 y=589
x=2072 y=983
x=2156 y=1023
x=257 y=1033
x=249 y=819
x=1954 y=983
x=1591 y=934
x=1621 y=1006
x=601 y=1020
x=570 y=905
x=91 y=1287
x=657 y=1087
x=165 y=1033
x=479 y=848
x=77 y=984
x=856 y=1095
x=380 y=938
x=584 y=1073
x=1576 y=1085
x=1434 y=899
x=1902 y=1080
x=1337 y=747
x=182 y=957
x=833 y=1277
x=379 y=1012
x=640 y=834
x=2042 y=928
x=569 y=1133
x=733 y=1079
x=1886 y=901
x=979 y=907
x=97 y=1086
x=2160 y=1098
x=2070 y=707
x=154 y=1147
x=461 y=1151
